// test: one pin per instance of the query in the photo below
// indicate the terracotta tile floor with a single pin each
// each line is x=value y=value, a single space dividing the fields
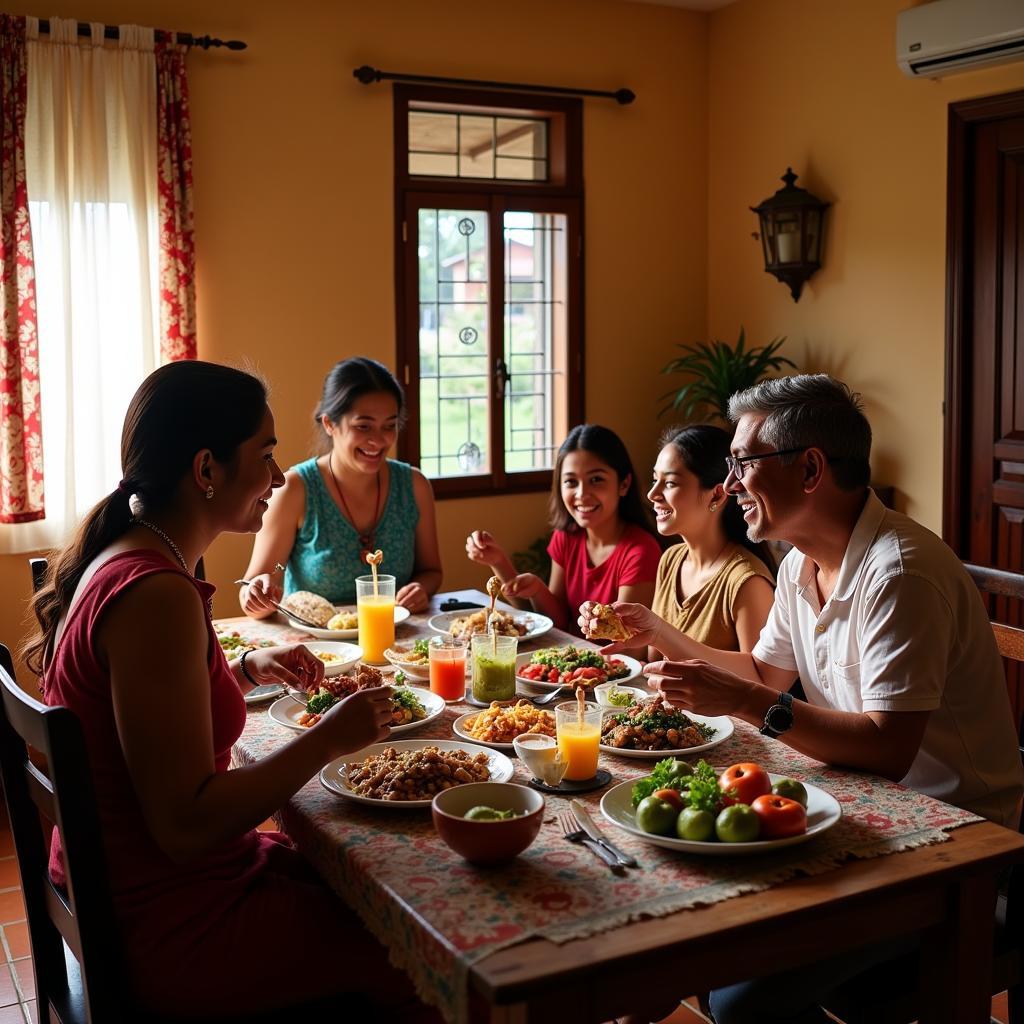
x=17 y=981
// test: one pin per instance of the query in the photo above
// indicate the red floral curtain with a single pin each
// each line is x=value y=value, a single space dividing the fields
x=174 y=167
x=21 y=442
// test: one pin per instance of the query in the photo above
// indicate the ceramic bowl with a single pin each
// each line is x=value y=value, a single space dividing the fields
x=341 y=657
x=602 y=690
x=488 y=842
x=395 y=655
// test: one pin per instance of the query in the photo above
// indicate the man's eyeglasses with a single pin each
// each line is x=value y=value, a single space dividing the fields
x=737 y=465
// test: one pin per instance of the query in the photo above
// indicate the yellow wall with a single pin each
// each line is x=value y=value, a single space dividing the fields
x=293 y=192
x=814 y=84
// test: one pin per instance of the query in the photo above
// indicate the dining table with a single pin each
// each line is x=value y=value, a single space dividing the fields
x=555 y=935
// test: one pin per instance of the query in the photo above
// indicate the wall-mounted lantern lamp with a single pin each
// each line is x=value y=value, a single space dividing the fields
x=791 y=231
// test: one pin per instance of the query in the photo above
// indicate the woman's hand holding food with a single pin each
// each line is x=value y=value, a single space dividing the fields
x=295 y=665
x=362 y=718
x=260 y=596
x=483 y=549
x=642 y=624
x=698 y=686
x=414 y=597
x=526 y=585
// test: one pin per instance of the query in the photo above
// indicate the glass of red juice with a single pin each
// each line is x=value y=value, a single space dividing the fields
x=448 y=667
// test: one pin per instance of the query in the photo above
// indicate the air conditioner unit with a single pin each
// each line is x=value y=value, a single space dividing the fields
x=947 y=36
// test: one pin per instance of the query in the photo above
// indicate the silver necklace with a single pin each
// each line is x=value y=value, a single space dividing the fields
x=176 y=551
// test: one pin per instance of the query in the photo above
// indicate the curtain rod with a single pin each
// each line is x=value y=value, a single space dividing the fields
x=184 y=38
x=368 y=75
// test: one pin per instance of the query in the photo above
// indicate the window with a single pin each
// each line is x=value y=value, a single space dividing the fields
x=489 y=201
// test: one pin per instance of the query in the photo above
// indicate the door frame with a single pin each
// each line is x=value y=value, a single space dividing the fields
x=964 y=117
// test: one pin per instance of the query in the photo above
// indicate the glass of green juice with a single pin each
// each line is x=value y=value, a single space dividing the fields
x=494 y=667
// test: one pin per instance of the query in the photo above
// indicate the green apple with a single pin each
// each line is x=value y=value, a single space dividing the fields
x=737 y=824
x=792 y=789
x=656 y=816
x=695 y=825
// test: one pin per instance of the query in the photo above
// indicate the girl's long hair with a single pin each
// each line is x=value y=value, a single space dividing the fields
x=703 y=448
x=608 y=447
x=178 y=410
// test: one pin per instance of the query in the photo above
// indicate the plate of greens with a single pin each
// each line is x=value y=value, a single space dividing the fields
x=651 y=729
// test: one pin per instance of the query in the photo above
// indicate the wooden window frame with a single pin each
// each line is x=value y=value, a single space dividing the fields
x=562 y=193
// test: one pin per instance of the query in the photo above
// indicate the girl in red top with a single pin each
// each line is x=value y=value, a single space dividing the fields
x=126 y=641
x=603 y=547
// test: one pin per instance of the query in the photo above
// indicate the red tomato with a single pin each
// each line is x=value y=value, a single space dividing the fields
x=779 y=816
x=670 y=796
x=746 y=781
x=553 y=676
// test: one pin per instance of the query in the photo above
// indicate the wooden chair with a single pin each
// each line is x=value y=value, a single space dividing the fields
x=881 y=995
x=74 y=944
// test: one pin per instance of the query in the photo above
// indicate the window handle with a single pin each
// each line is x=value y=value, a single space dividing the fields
x=501 y=376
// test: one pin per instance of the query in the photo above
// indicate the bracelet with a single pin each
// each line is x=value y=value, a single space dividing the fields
x=245 y=671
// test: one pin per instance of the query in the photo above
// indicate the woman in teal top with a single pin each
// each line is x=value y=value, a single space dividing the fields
x=351 y=499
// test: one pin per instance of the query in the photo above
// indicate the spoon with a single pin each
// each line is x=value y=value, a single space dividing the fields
x=281 y=608
x=549 y=697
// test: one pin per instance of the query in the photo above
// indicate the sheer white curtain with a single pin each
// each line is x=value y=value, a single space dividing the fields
x=91 y=155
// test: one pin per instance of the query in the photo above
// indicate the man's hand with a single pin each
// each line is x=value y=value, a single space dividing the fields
x=698 y=686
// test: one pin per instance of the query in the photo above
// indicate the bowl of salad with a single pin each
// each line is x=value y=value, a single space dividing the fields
x=413 y=659
x=575 y=666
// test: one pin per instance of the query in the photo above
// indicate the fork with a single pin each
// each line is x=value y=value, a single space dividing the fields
x=570 y=826
x=549 y=697
x=287 y=611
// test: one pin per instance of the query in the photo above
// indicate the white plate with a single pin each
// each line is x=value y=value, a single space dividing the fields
x=461 y=729
x=401 y=614
x=348 y=653
x=288 y=710
x=823 y=811
x=333 y=776
x=537 y=624
x=258 y=694
x=723 y=723
x=635 y=667
x=412 y=671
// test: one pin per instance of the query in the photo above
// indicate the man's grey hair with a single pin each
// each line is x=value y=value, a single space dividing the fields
x=812 y=410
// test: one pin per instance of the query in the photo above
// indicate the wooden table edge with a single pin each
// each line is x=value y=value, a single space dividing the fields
x=915 y=886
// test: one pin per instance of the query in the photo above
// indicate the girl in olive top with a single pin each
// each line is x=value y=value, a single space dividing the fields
x=713 y=586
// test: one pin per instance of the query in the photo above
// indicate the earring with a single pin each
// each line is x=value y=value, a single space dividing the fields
x=714 y=507
x=209 y=492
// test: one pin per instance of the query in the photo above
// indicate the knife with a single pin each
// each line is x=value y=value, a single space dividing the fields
x=588 y=826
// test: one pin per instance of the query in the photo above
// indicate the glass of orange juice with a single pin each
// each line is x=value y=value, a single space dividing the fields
x=448 y=667
x=375 y=608
x=578 y=741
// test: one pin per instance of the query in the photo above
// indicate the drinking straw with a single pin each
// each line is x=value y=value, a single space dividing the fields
x=581 y=706
x=374 y=559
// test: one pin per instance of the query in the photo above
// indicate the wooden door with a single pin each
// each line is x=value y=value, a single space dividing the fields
x=984 y=480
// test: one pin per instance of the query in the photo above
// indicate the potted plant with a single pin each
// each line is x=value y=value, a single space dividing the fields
x=719 y=371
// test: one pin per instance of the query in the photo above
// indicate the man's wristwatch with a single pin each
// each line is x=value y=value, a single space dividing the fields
x=779 y=717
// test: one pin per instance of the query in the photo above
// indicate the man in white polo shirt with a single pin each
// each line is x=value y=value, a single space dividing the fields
x=873 y=613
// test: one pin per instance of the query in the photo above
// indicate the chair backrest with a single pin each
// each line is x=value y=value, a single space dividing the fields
x=56 y=788
x=1004 y=596
x=37 y=566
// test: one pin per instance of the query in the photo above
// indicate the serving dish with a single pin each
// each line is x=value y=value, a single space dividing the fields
x=334 y=775
x=401 y=614
x=823 y=812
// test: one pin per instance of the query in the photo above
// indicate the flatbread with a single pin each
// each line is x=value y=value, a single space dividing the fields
x=310 y=606
x=609 y=624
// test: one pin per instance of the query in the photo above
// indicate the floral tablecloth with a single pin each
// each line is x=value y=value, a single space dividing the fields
x=437 y=914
